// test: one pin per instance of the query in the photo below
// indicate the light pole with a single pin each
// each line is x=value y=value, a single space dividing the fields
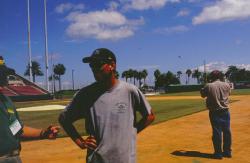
x=73 y=82
x=46 y=47
x=29 y=46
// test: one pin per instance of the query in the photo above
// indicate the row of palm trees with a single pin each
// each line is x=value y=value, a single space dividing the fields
x=195 y=74
x=139 y=75
x=58 y=71
x=132 y=74
x=233 y=74
x=136 y=75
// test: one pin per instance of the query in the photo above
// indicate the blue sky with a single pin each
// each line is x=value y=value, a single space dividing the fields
x=144 y=34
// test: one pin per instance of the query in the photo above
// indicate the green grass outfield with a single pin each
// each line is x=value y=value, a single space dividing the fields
x=197 y=93
x=69 y=93
x=164 y=110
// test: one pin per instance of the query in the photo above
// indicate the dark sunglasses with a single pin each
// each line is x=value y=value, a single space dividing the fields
x=96 y=66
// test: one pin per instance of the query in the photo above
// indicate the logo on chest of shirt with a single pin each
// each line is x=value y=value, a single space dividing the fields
x=121 y=107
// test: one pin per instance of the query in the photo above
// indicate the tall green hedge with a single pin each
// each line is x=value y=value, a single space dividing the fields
x=182 y=88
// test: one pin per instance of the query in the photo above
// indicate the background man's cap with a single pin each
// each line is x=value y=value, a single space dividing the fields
x=101 y=54
x=216 y=74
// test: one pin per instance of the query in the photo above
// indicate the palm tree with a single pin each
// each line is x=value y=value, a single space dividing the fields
x=157 y=75
x=140 y=77
x=56 y=77
x=36 y=70
x=231 y=73
x=125 y=75
x=59 y=70
x=135 y=75
x=145 y=74
x=188 y=72
x=130 y=74
x=117 y=75
x=196 y=74
x=179 y=74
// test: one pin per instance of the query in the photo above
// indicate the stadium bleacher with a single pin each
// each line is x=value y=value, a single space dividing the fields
x=18 y=88
x=26 y=90
x=8 y=92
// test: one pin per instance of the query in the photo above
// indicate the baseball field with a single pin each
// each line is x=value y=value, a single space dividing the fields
x=180 y=133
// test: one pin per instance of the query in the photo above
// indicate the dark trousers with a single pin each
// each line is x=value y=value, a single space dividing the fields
x=220 y=121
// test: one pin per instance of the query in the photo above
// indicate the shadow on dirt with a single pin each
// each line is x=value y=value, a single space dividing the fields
x=192 y=154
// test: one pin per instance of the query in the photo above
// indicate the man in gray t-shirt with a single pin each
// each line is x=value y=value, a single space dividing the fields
x=217 y=94
x=109 y=108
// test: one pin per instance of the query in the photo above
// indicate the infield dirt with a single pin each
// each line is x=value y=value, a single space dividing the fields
x=183 y=140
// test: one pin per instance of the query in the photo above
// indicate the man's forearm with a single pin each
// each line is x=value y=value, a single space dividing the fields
x=70 y=130
x=31 y=133
x=144 y=122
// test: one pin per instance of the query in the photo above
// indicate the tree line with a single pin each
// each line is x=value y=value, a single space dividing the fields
x=233 y=74
x=58 y=70
x=135 y=75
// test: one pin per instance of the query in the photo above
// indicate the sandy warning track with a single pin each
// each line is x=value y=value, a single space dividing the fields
x=186 y=139
x=42 y=108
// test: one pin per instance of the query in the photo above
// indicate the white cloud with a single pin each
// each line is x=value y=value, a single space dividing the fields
x=64 y=7
x=146 y=4
x=101 y=25
x=224 y=10
x=183 y=12
x=241 y=66
x=221 y=66
x=171 y=30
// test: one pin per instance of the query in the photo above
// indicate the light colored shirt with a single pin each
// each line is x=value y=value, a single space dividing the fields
x=110 y=116
x=217 y=94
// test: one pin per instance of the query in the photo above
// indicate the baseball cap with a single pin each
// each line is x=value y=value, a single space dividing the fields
x=216 y=74
x=100 y=55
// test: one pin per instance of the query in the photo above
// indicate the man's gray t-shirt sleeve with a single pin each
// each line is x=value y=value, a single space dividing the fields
x=141 y=104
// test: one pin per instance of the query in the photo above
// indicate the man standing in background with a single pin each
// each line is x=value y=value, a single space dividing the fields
x=217 y=93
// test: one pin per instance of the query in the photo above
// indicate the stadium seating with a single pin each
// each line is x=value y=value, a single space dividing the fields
x=26 y=90
x=19 y=88
x=8 y=92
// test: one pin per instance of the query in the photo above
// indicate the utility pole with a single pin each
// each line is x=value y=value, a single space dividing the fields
x=205 y=72
x=29 y=46
x=52 y=74
x=46 y=47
